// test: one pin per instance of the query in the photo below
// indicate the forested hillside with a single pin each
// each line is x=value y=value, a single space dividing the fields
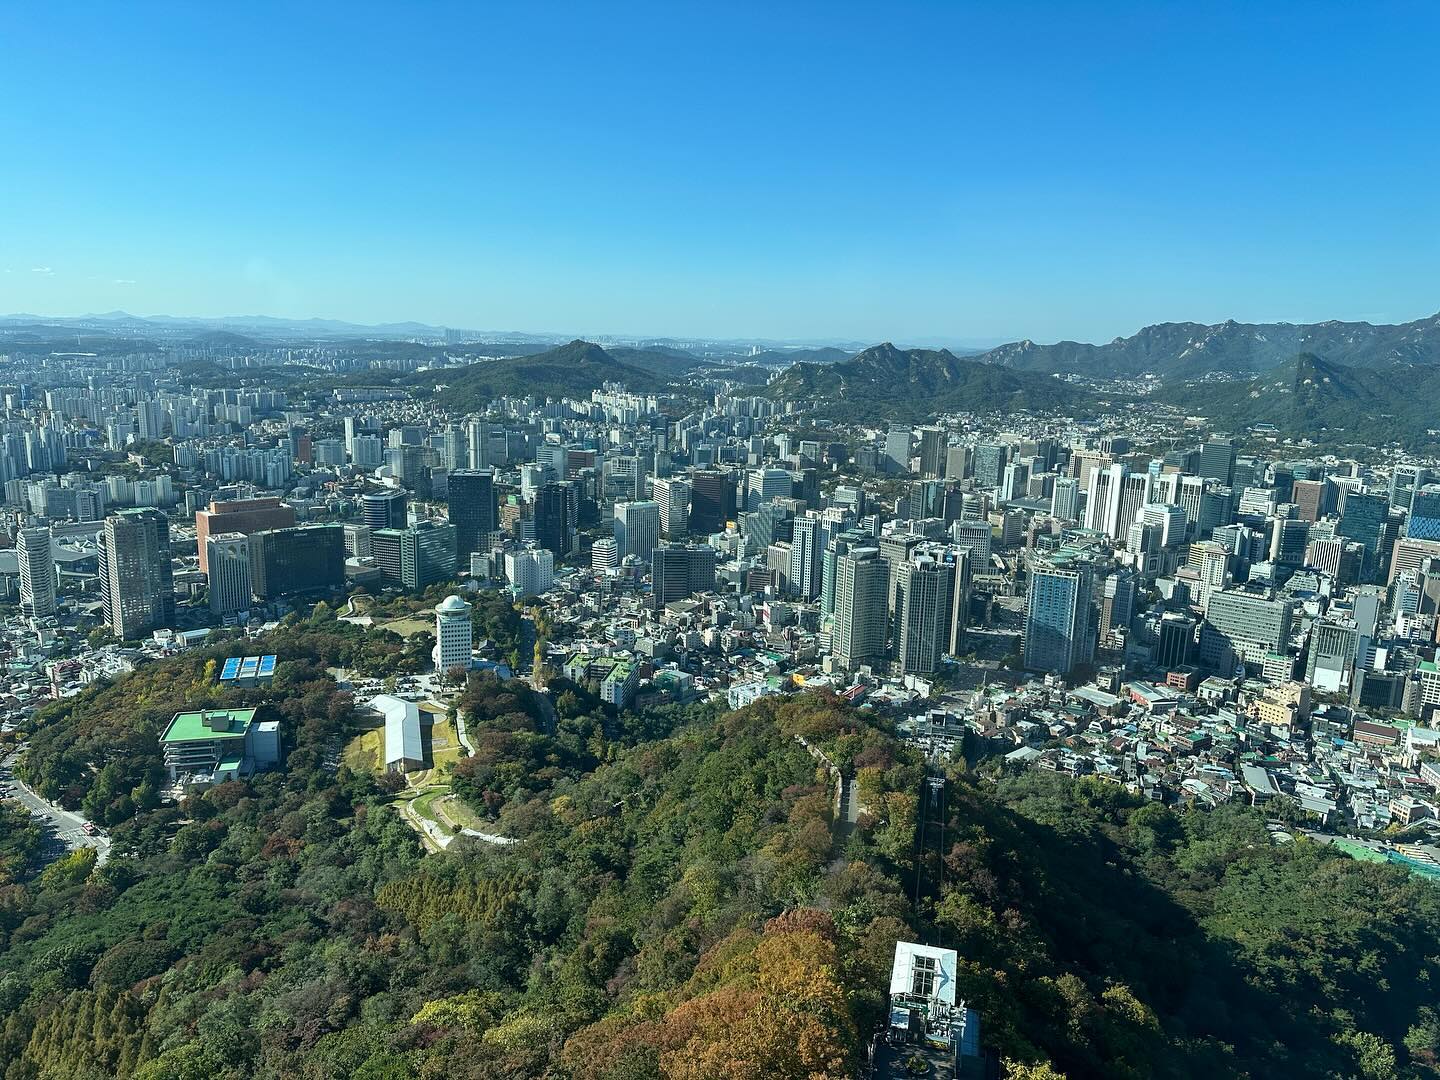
x=681 y=904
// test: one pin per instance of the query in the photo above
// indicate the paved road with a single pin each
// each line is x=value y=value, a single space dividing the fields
x=64 y=830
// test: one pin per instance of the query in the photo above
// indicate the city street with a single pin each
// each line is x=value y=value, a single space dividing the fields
x=64 y=830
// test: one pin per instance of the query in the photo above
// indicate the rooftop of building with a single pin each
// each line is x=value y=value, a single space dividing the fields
x=206 y=724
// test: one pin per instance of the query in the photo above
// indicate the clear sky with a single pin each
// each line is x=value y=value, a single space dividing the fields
x=949 y=171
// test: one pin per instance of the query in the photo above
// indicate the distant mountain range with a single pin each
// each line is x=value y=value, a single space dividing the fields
x=1192 y=350
x=885 y=380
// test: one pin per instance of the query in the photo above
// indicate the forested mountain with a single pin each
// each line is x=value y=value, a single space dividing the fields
x=1189 y=350
x=681 y=905
x=1318 y=399
x=918 y=383
x=571 y=370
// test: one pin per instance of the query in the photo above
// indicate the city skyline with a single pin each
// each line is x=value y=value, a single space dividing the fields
x=945 y=175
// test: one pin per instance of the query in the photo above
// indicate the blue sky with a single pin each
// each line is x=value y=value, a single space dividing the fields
x=910 y=172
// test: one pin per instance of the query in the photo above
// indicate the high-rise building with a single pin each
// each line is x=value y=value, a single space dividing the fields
x=712 y=501
x=989 y=461
x=807 y=555
x=1115 y=499
x=1117 y=603
x=239 y=516
x=301 y=559
x=1330 y=654
x=416 y=557
x=1245 y=627
x=37 y=572
x=673 y=495
x=136 y=578
x=861 y=581
x=897 y=449
x=531 y=571
x=454 y=635
x=1363 y=520
x=229 y=575
x=384 y=509
x=637 y=528
x=924 y=613
x=1065 y=499
x=1059 y=628
x=1424 y=520
x=1217 y=460
x=679 y=570
x=556 y=507
x=604 y=554
x=474 y=509
x=932 y=452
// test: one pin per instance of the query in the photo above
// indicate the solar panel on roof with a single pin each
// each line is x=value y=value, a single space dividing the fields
x=249 y=667
x=267 y=665
x=231 y=668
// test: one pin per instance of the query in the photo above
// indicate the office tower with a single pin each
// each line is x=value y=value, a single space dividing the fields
x=135 y=573
x=1424 y=520
x=239 y=516
x=531 y=571
x=410 y=465
x=1065 y=501
x=1115 y=498
x=1175 y=638
x=989 y=461
x=474 y=509
x=604 y=554
x=357 y=541
x=1411 y=554
x=454 y=635
x=1119 y=596
x=1014 y=481
x=1215 y=510
x=1309 y=498
x=924 y=613
x=1244 y=627
x=1405 y=481
x=637 y=528
x=556 y=505
x=383 y=509
x=1289 y=538
x=679 y=570
x=861 y=580
x=301 y=559
x=763 y=485
x=673 y=495
x=367 y=451
x=477 y=439
x=897 y=449
x=37 y=572
x=975 y=537
x=712 y=501
x=1059 y=634
x=457 y=447
x=932 y=452
x=957 y=462
x=1217 y=460
x=1331 y=651
x=228 y=578
x=427 y=554
x=807 y=555
x=1170 y=520
x=1363 y=520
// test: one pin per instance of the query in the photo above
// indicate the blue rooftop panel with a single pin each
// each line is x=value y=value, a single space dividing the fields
x=267 y=666
x=231 y=668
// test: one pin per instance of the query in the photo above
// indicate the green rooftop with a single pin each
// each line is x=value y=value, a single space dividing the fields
x=208 y=724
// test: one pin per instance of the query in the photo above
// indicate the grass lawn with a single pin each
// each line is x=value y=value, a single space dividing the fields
x=407 y=625
x=365 y=752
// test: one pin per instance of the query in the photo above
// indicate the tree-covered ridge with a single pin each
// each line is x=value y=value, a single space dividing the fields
x=682 y=904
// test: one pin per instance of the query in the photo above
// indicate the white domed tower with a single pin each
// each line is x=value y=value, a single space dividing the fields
x=453 y=636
